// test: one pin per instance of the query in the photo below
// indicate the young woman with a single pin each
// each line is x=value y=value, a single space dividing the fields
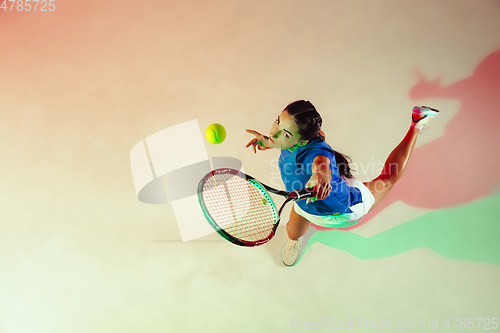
x=306 y=160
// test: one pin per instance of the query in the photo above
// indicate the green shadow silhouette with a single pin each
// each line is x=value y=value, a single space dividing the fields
x=469 y=233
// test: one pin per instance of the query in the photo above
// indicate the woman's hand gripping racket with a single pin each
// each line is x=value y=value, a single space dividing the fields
x=239 y=207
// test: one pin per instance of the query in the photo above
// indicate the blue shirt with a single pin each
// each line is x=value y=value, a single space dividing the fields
x=296 y=169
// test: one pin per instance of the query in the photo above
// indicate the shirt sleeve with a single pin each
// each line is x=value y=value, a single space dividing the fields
x=308 y=158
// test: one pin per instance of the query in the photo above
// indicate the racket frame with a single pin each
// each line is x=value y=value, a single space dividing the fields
x=263 y=188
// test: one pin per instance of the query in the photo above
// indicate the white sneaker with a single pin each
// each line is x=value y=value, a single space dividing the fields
x=290 y=251
x=421 y=115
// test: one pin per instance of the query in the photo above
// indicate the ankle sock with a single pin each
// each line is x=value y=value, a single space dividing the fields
x=418 y=120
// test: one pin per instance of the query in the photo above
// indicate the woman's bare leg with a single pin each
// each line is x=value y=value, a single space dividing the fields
x=394 y=167
x=297 y=225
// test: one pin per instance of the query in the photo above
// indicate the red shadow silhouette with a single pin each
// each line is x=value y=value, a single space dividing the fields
x=464 y=164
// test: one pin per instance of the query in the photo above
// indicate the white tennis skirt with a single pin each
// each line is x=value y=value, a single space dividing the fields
x=347 y=219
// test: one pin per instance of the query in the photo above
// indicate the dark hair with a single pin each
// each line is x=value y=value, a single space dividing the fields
x=309 y=122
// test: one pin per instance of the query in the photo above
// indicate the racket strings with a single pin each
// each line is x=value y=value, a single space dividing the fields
x=238 y=207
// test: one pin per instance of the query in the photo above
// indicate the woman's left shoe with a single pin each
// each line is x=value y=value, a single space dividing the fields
x=290 y=251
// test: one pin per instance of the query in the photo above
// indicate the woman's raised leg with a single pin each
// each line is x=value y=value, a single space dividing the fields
x=394 y=167
x=396 y=163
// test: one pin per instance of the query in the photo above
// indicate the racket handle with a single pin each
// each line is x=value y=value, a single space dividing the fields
x=301 y=194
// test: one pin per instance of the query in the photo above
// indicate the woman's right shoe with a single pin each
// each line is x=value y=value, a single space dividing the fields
x=421 y=116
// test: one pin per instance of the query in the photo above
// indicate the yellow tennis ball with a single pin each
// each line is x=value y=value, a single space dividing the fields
x=215 y=133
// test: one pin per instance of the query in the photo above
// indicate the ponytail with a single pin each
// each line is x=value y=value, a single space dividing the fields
x=343 y=164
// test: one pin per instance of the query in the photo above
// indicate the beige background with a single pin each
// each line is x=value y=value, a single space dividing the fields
x=80 y=86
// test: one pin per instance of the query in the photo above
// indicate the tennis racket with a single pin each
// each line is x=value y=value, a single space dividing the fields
x=239 y=207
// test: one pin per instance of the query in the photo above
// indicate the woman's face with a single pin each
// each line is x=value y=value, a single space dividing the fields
x=285 y=132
